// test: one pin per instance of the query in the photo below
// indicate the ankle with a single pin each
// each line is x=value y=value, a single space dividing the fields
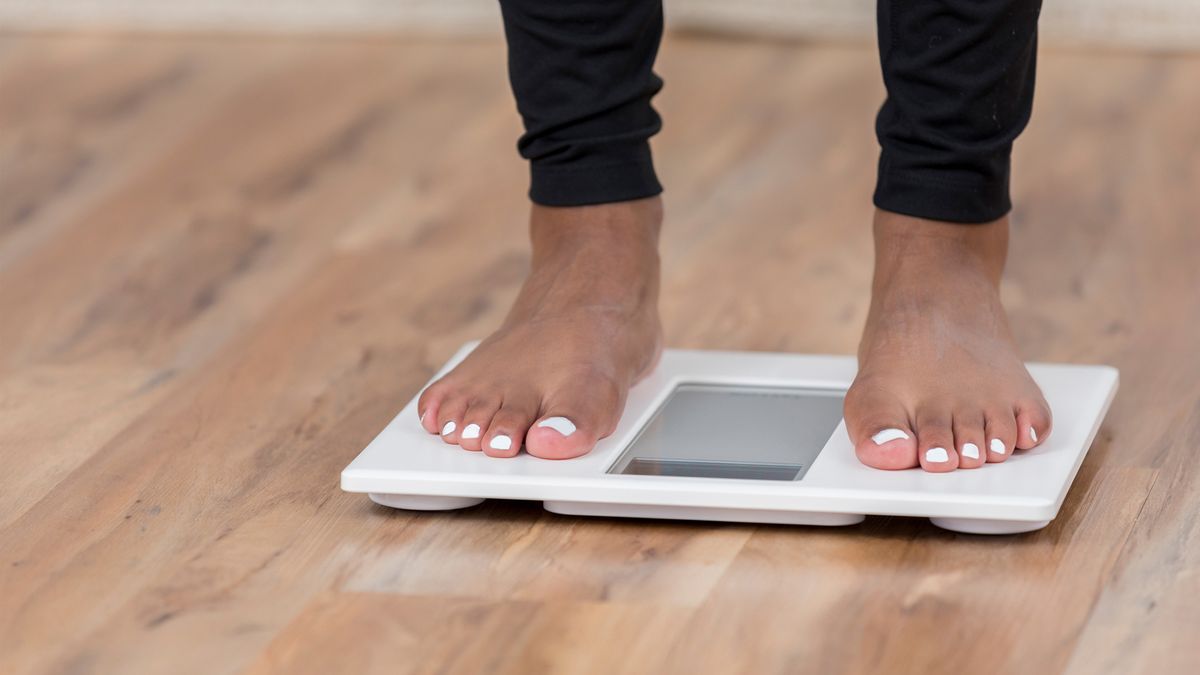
x=594 y=258
x=629 y=225
x=907 y=244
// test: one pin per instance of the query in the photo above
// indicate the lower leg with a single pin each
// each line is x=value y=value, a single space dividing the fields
x=940 y=382
x=553 y=378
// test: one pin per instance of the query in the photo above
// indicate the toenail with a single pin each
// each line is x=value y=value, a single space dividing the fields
x=501 y=442
x=889 y=435
x=937 y=455
x=449 y=428
x=996 y=446
x=1033 y=434
x=562 y=425
x=970 y=450
x=471 y=431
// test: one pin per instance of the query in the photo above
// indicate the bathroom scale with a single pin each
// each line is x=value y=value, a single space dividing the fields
x=745 y=437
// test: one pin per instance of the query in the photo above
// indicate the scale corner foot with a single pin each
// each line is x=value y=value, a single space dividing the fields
x=987 y=526
x=424 y=502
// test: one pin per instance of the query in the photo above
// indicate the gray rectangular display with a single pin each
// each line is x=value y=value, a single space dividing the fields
x=733 y=431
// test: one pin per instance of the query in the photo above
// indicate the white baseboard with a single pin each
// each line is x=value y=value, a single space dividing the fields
x=1150 y=24
x=1146 y=24
x=253 y=15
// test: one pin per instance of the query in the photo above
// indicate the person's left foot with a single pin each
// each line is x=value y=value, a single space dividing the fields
x=940 y=384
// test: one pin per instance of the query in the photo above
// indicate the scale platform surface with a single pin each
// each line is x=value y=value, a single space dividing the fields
x=745 y=437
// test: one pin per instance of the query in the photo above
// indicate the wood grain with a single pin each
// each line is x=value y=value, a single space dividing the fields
x=226 y=263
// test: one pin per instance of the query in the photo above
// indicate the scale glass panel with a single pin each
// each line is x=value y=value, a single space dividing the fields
x=744 y=437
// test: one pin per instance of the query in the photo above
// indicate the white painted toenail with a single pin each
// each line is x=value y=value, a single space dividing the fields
x=997 y=446
x=449 y=428
x=970 y=450
x=501 y=442
x=1033 y=434
x=471 y=431
x=937 y=455
x=562 y=425
x=888 y=435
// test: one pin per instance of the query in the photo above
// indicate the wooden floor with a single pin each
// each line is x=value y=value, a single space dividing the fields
x=226 y=263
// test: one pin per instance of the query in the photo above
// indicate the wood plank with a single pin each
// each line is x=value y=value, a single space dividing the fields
x=515 y=637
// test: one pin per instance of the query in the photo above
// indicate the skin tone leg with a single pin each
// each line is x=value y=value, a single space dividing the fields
x=940 y=383
x=584 y=328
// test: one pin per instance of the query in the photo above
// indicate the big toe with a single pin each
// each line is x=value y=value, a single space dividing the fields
x=571 y=424
x=559 y=437
x=878 y=426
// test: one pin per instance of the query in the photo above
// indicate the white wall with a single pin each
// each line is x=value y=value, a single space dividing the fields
x=1139 y=23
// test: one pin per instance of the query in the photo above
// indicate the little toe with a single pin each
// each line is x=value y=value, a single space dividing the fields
x=935 y=443
x=476 y=419
x=878 y=426
x=429 y=419
x=427 y=407
x=1033 y=425
x=968 y=437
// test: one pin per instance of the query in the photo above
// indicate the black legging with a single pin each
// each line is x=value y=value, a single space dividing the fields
x=959 y=77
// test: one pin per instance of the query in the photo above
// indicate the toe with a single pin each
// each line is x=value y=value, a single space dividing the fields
x=879 y=428
x=508 y=427
x=475 y=420
x=1000 y=428
x=935 y=441
x=968 y=438
x=449 y=418
x=892 y=446
x=571 y=424
x=557 y=436
x=428 y=404
x=1033 y=424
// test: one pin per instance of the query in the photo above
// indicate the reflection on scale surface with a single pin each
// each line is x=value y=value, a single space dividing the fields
x=734 y=431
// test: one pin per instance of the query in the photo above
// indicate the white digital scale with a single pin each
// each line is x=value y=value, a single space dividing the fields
x=746 y=437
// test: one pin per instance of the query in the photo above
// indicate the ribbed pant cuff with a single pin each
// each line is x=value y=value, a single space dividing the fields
x=953 y=201
x=600 y=184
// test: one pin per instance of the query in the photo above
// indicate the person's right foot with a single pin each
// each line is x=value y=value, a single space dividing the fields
x=582 y=331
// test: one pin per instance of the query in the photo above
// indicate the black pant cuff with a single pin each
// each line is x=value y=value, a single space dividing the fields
x=599 y=184
x=952 y=201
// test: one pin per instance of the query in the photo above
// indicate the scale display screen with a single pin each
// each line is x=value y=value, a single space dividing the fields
x=734 y=431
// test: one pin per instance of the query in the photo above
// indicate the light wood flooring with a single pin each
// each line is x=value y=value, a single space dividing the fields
x=225 y=263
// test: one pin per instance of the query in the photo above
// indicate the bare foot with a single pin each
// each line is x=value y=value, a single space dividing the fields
x=940 y=384
x=582 y=331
